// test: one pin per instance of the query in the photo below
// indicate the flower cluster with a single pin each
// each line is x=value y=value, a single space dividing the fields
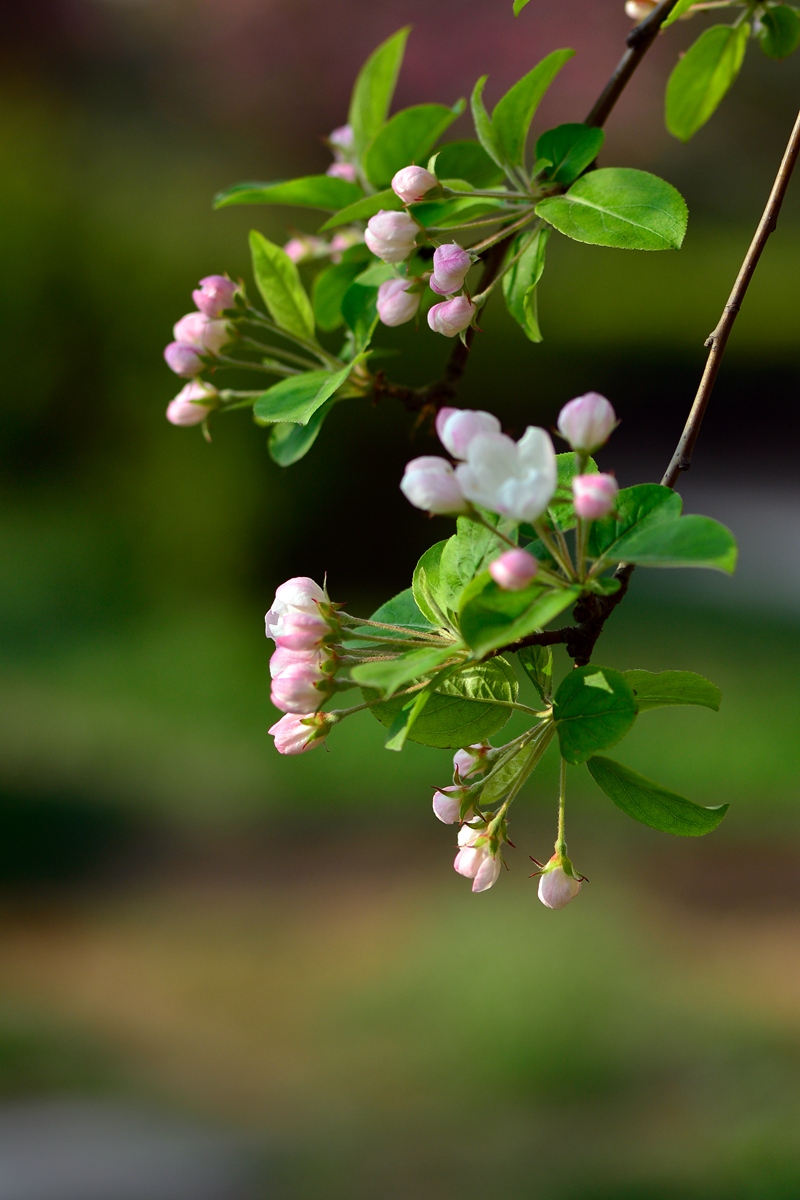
x=202 y=334
x=302 y=623
x=342 y=144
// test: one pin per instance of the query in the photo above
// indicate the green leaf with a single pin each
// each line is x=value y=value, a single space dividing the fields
x=519 y=283
x=374 y=88
x=279 y=283
x=514 y=112
x=638 y=507
x=463 y=707
x=702 y=77
x=483 y=125
x=330 y=287
x=468 y=160
x=518 y=6
x=406 y=718
x=388 y=676
x=620 y=207
x=680 y=8
x=362 y=210
x=426 y=587
x=780 y=31
x=464 y=556
x=407 y=138
x=653 y=689
x=537 y=663
x=402 y=610
x=298 y=397
x=570 y=148
x=651 y=804
x=312 y=191
x=690 y=542
x=594 y=708
x=360 y=309
x=444 y=213
x=288 y=443
x=491 y=617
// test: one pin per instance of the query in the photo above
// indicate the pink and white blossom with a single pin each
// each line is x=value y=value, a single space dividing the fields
x=411 y=183
x=192 y=404
x=299 y=594
x=587 y=422
x=514 y=479
x=594 y=496
x=471 y=760
x=201 y=333
x=456 y=427
x=450 y=266
x=305 y=248
x=282 y=658
x=303 y=631
x=342 y=170
x=391 y=235
x=182 y=359
x=395 y=304
x=513 y=570
x=452 y=316
x=342 y=140
x=557 y=886
x=476 y=862
x=293 y=736
x=295 y=690
x=215 y=294
x=447 y=804
x=430 y=483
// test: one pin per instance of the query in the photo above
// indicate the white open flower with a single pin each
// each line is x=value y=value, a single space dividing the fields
x=514 y=479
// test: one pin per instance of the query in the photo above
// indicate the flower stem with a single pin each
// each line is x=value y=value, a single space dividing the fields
x=484 y=295
x=561 y=845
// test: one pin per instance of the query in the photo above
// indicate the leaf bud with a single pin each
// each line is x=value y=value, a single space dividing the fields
x=587 y=422
x=430 y=483
x=192 y=404
x=594 y=495
x=411 y=183
x=215 y=294
x=452 y=316
x=395 y=305
x=297 y=732
x=183 y=359
x=450 y=266
x=457 y=427
x=391 y=235
x=513 y=570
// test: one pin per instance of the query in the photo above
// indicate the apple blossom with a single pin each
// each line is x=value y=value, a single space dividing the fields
x=558 y=884
x=282 y=658
x=513 y=479
x=215 y=294
x=297 y=732
x=303 y=631
x=295 y=690
x=305 y=247
x=452 y=316
x=513 y=570
x=341 y=139
x=391 y=235
x=594 y=495
x=411 y=183
x=450 y=266
x=342 y=170
x=395 y=305
x=456 y=427
x=299 y=594
x=201 y=333
x=476 y=862
x=183 y=359
x=470 y=760
x=587 y=422
x=447 y=804
x=192 y=404
x=431 y=484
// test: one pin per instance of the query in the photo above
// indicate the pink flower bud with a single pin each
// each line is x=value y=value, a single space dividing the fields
x=341 y=138
x=305 y=248
x=457 y=427
x=342 y=170
x=411 y=183
x=447 y=804
x=215 y=294
x=429 y=483
x=476 y=863
x=395 y=306
x=299 y=594
x=197 y=331
x=295 y=689
x=281 y=659
x=594 y=495
x=293 y=736
x=451 y=316
x=302 y=631
x=192 y=404
x=637 y=10
x=342 y=241
x=587 y=422
x=556 y=886
x=450 y=266
x=514 y=570
x=182 y=359
x=391 y=235
x=470 y=760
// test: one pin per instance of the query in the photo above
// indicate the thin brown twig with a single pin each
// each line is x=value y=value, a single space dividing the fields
x=639 y=41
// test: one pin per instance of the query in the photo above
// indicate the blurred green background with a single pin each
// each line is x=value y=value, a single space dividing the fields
x=279 y=946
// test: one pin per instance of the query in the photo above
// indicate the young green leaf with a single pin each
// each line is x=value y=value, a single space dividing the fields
x=374 y=88
x=780 y=31
x=427 y=588
x=407 y=138
x=620 y=207
x=483 y=125
x=570 y=149
x=360 y=309
x=468 y=160
x=519 y=283
x=518 y=6
x=692 y=541
x=363 y=209
x=298 y=397
x=637 y=508
x=514 y=112
x=312 y=191
x=406 y=718
x=279 y=283
x=466 y=706
x=651 y=804
x=288 y=442
x=653 y=689
x=491 y=617
x=680 y=8
x=464 y=556
x=594 y=708
x=537 y=663
x=390 y=675
x=330 y=287
x=702 y=77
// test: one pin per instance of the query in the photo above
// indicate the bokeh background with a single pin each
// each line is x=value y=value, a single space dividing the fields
x=224 y=974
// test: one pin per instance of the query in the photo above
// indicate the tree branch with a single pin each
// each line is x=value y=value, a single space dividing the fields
x=639 y=41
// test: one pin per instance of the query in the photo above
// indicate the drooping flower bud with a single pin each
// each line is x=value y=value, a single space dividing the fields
x=299 y=594
x=411 y=183
x=457 y=427
x=587 y=422
x=391 y=235
x=342 y=170
x=430 y=483
x=295 y=689
x=215 y=294
x=476 y=862
x=182 y=359
x=447 y=804
x=594 y=495
x=296 y=733
x=281 y=659
x=513 y=570
x=201 y=333
x=471 y=760
x=450 y=266
x=452 y=316
x=558 y=883
x=192 y=404
x=303 y=631
x=513 y=479
x=395 y=305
